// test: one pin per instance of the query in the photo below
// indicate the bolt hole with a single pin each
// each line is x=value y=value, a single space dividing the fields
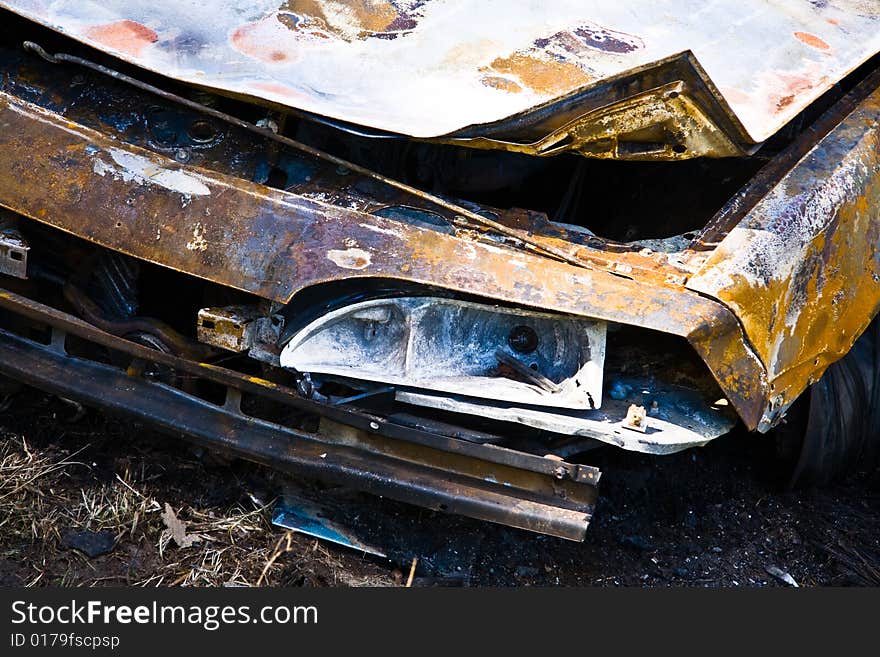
x=673 y=95
x=119 y=224
x=679 y=148
x=208 y=324
x=523 y=339
x=202 y=132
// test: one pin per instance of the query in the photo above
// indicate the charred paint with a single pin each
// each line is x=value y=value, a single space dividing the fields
x=350 y=258
x=589 y=36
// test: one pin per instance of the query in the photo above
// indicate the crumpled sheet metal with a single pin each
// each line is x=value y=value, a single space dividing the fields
x=802 y=269
x=275 y=244
x=427 y=68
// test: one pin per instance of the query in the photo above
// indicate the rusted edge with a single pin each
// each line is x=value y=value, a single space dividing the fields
x=801 y=270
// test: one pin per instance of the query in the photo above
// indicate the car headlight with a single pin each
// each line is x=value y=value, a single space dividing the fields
x=460 y=347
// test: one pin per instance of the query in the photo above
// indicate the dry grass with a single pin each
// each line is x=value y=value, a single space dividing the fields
x=27 y=481
x=45 y=493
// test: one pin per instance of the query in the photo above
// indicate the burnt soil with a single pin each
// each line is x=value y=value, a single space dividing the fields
x=715 y=516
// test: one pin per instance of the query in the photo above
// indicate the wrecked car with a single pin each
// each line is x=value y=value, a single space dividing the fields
x=438 y=250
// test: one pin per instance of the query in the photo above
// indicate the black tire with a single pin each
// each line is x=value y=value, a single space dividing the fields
x=842 y=417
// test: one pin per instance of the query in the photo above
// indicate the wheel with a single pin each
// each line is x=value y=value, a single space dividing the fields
x=839 y=423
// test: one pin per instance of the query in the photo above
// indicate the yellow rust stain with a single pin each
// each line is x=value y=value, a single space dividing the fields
x=543 y=76
x=344 y=20
x=801 y=323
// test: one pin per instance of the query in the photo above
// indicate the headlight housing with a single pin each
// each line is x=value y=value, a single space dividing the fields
x=459 y=347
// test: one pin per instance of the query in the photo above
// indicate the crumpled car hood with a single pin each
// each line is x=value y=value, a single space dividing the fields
x=429 y=68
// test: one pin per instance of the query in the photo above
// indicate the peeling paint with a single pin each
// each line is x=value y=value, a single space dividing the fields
x=198 y=241
x=351 y=258
x=131 y=167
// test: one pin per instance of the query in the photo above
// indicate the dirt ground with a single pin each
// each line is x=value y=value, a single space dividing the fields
x=72 y=482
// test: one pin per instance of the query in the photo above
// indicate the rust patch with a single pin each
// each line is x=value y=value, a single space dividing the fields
x=784 y=102
x=812 y=40
x=543 y=76
x=126 y=36
x=550 y=65
x=350 y=21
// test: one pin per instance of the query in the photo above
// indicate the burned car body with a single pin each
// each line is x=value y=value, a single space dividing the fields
x=217 y=221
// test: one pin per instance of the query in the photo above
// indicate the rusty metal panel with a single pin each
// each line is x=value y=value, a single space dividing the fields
x=428 y=68
x=802 y=268
x=274 y=244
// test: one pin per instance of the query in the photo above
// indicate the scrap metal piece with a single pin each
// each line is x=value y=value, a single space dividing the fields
x=679 y=418
x=306 y=517
x=667 y=113
x=266 y=335
x=13 y=252
x=459 y=347
x=233 y=232
x=232 y=328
